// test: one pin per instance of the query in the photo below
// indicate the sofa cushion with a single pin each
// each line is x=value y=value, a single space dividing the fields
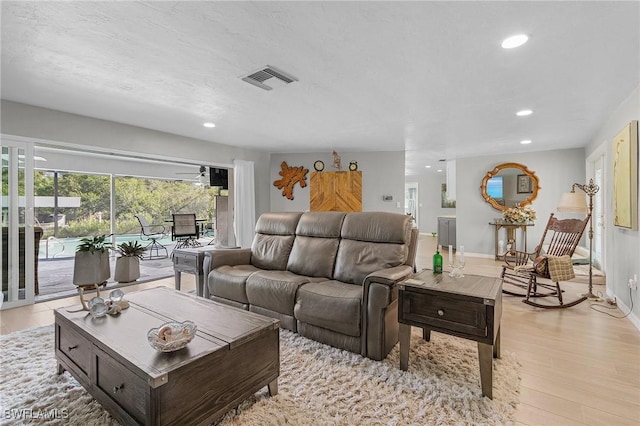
x=313 y=256
x=274 y=237
x=332 y=305
x=316 y=245
x=371 y=241
x=320 y=224
x=229 y=282
x=274 y=290
x=271 y=251
x=377 y=227
x=357 y=259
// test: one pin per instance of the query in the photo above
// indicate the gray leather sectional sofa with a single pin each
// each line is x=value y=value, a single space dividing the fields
x=329 y=276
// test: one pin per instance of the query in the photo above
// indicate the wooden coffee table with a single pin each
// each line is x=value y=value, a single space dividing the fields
x=469 y=307
x=235 y=353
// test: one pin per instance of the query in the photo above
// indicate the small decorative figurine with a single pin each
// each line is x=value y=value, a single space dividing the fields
x=336 y=161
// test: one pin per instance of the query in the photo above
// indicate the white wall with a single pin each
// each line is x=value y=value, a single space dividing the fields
x=382 y=174
x=622 y=246
x=429 y=199
x=557 y=171
x=51 y=126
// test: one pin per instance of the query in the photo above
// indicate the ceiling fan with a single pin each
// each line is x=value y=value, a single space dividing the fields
x=201 y=177
x=201 y=172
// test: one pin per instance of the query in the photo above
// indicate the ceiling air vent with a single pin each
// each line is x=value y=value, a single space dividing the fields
x=270 y=74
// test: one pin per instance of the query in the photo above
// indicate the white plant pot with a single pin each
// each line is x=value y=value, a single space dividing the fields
x=91 y=268
x=127 y=269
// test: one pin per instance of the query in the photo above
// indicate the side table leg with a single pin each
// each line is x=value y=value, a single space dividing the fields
x=177 y=276
x=426 y=334
x=200 y=284
x=405 y=338
x=273 y=388
x=485 y=353
x=496 y=346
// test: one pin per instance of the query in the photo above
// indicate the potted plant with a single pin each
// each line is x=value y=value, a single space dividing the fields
x=91 y=266
x=128 y=264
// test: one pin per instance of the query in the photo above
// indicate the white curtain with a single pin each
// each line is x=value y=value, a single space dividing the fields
x=245 y=203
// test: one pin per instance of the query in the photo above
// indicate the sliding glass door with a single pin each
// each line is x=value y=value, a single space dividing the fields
x=19 y=273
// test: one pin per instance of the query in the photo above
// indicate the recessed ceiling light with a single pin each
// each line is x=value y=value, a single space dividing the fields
x=524 y=112
x=210 y=125
x=428 y=167
x=514 y=41
x=525 y=142
x=439 y=170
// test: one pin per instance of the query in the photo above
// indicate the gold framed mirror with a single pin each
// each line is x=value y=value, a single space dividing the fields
x=509 y=184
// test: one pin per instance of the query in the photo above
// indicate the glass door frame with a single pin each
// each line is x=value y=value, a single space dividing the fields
x=19 y=150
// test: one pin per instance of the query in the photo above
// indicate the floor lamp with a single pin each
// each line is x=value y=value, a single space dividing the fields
x=572 y=202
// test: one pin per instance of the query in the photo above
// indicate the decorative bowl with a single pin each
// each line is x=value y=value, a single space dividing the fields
x=171 y=336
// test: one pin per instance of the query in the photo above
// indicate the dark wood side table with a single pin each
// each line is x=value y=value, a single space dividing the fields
x=469 y=307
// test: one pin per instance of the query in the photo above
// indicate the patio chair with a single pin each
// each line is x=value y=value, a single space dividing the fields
x=559 y=239
x=152 y=233
x=185 y=230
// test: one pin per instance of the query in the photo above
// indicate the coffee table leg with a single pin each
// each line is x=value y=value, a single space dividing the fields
x=485 y=354
x=273 y=388
x=496 y=346
x=405 y=338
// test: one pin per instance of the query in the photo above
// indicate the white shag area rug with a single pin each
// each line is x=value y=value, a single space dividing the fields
x=318 y=385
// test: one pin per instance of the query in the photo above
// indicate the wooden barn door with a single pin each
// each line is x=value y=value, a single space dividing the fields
x=336 y=191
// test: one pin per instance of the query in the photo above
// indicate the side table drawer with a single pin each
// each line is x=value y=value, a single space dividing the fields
x=446 y=313
x=122 y=385
x=185 y=262
x=76 y=348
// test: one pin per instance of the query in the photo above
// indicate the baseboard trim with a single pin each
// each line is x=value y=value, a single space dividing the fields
x=624 y=308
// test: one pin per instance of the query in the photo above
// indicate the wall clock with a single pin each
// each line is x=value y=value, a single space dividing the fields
x=318 y=165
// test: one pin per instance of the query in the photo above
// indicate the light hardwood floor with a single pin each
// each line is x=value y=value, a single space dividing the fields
x=579 y=367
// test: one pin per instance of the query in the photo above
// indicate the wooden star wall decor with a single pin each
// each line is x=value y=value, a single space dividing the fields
x=290 y=176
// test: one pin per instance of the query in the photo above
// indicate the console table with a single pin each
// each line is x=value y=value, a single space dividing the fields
x=511 y=229
x=469 y=307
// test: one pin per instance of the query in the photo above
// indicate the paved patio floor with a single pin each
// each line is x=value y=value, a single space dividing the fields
x=55 y=276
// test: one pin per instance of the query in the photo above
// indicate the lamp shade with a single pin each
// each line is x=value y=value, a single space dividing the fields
x=573 y=202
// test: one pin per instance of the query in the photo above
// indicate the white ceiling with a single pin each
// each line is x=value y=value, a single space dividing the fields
x=428 y=77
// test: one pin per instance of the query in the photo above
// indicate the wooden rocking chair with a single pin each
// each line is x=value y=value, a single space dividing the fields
x=520 y=275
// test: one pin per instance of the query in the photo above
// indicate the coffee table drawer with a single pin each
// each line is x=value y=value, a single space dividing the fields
x=446 y=312
x=122 y=385
x=76 y=348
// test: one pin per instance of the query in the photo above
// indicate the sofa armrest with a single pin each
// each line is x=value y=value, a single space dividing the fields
x=219 y=257
x=379 y=310
x=389 y=276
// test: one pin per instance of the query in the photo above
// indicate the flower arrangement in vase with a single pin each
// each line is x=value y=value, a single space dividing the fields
x=519 y=214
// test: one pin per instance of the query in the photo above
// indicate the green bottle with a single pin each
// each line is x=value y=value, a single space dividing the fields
x=437 y=261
